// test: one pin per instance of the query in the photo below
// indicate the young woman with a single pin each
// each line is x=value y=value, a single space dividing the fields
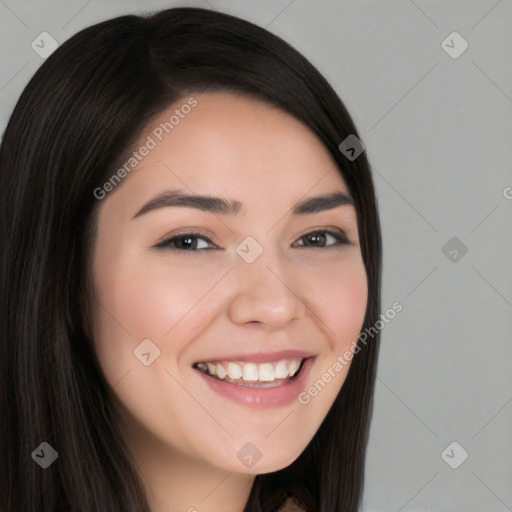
x=188 y=260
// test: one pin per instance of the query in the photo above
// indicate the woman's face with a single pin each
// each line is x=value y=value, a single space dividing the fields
x=259 y=290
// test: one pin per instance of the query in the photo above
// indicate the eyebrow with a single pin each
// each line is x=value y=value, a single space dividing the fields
x=179 y=198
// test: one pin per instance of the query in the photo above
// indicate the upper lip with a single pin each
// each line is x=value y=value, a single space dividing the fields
x=260 y=357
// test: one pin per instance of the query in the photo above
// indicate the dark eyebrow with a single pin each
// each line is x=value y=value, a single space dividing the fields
x=321 y=203
x=233 y=207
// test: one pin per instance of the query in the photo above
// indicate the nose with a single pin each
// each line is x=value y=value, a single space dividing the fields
x=265 y=293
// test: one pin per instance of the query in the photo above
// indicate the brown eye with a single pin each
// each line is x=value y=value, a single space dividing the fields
x=186 y=242
x=319 y=239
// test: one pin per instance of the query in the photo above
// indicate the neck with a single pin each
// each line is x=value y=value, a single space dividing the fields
x=174 y=480
x=178 y=484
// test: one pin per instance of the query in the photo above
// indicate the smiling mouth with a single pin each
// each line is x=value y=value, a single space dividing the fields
x=249 y=374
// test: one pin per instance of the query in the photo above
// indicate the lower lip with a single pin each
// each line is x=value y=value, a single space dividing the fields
x=266 y=397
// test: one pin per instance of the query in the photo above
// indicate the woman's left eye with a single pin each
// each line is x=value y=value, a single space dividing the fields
x=320 y=236
x=189 y=242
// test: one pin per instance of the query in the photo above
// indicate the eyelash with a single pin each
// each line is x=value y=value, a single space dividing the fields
x=339 y=236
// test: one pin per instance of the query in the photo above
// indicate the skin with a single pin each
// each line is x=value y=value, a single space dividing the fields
x=195 y=305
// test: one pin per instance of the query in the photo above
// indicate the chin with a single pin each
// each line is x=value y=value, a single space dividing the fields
x=270 y=465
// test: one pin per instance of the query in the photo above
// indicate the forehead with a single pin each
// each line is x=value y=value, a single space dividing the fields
x=233 y=145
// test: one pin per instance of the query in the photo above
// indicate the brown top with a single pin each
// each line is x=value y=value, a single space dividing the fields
x=291 y=504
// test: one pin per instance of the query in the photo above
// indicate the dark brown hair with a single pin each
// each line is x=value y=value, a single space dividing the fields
x=76 y=119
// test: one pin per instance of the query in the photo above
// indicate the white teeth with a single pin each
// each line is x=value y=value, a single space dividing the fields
x=281 y=370
x=252 y=372
x=220 y=371
x=266 y=372
x=234 y=371
x=293 y=367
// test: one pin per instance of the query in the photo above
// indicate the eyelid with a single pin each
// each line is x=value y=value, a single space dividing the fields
x=339 y=234
x=194 y=233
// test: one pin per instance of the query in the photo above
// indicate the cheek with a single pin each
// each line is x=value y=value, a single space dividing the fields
x=338 y=295
x=136 y=300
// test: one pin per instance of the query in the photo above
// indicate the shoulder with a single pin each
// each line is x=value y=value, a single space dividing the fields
x=291 y=504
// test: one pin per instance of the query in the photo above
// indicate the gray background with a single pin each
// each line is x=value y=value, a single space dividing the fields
x=438 y=133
